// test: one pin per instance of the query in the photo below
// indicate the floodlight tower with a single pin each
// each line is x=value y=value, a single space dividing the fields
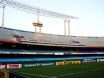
x=38 y=23
x=69 y=28
x=3 y=9
x=65 y=27
x=65 y=21
x=3 y=17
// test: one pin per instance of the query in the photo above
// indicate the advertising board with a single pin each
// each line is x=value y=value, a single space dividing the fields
x=88 y=60
x=3 y=73
x=68 y=62
x=3 y=66
x=11 y=66
x=60 y=63
x=100 y=60
x=38 y=64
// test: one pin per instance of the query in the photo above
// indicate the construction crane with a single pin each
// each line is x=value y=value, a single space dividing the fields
x=37 y=11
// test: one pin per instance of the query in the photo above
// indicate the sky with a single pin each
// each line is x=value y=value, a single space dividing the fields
x=90 y=13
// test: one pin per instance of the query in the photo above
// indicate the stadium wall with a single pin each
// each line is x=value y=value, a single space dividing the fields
x=35 y=64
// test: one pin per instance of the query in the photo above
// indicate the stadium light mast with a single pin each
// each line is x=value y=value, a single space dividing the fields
x=3 y=17
x=69 y=28
x=2 y=5
x=65 y=27
x=34 y=10
x=38 y=23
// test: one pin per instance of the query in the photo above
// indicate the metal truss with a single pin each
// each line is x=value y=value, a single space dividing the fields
x=34 y=10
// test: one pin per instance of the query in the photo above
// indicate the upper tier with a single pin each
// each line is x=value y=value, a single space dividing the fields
x=5 y=34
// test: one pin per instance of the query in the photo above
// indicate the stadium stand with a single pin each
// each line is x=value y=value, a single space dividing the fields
x=67 y=58
x=53 y=39
x=100 y=50
x=12 y=34
x=29 y=50
x=46 y=59
x=46 y=51
x=7 y=33
x=90 y=41
x=11 y=50
x=86 y=51
x=46 y=37
x=15 y=59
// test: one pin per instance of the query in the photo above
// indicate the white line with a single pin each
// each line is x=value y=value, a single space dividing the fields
x=96 y=69
x=71 y=73
x=78 y=72
x=31 y=74
x=55 y=76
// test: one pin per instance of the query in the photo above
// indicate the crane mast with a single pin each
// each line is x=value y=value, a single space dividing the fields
x=37 y=11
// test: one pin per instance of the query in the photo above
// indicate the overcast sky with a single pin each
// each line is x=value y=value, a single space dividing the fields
x=90 y=13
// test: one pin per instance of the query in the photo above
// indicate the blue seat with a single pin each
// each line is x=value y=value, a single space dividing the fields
x=14 y=59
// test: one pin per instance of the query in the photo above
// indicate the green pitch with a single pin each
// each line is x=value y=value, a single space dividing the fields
x=88 y=70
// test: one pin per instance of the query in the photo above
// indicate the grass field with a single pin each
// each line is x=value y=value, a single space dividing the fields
x=88 y=70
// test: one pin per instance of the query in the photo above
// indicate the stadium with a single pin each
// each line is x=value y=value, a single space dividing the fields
x=26 y=54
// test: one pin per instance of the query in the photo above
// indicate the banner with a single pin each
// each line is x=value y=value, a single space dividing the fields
x=60 y=63
x=38 y=64
x=100 y=60
x=3 y=73
x=3 y=66
x=68 y=62
x=10 y=66
x=88 y=60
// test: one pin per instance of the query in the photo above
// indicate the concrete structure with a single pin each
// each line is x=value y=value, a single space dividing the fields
x=51 y=38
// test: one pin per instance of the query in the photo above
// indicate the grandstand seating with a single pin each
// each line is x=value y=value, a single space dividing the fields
x=54 y=39
x=46 y=37
x=15 y=59
x=100 y=50
x=46 y=51
x=6 y=33
x=58 y=59
x=21 y=51
x=11 y=50
x=46 y=59
x=90 y=41
x=95 y=57
x=86 y=51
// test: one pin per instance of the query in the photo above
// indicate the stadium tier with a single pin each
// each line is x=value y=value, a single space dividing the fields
x=3 y=60
x=11 y=50
x=26 y=37
x=14 y=59
x=48 y=52
x=90 y=41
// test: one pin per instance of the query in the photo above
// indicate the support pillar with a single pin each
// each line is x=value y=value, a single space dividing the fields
x=69 y=28
x=40 y=30
x=65 y=27
x=3 y=17
x=35 y=29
